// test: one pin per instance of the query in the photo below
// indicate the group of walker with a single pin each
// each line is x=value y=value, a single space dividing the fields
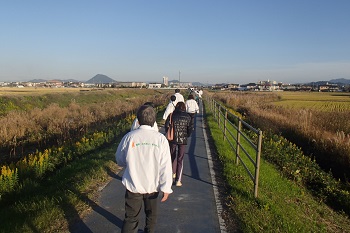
x=152 y=163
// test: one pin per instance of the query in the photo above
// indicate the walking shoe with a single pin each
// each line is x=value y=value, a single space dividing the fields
x=178 y=183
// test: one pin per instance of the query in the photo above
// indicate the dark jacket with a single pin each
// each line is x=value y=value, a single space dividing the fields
x=182 y=126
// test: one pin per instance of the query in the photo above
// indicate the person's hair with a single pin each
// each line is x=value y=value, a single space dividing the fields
x=146 y=115
x=150 y=104
x=180 y=106
x=173 y=98
x=191 y=97
x=177 y=90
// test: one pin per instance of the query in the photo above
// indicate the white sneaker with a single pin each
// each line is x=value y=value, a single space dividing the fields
x=174 y=176
x=178 y=183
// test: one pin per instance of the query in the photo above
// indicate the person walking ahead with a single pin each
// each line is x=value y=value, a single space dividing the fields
x=170 y=107
x=182 y=130
x=179 y=96
x=145 y=154
x=136 y=123
x=191 y=107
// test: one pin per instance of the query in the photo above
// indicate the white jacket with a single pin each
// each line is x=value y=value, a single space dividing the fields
x=179 y=98
x=136 y=124
x=191 y=106
x=145 y=154
x=169 y=109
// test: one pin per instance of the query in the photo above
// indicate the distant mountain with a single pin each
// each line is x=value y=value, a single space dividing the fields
x=340 y=81
x=198 y=84
x=101 y=78
x=37 y=80
x=70 y=80
x=45 y=80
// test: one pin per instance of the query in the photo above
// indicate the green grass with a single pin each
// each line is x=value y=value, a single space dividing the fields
x=28 y=99
x=53 y=204
x=281 y=206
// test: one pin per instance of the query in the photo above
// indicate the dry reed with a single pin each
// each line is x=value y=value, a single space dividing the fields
x=324 y=135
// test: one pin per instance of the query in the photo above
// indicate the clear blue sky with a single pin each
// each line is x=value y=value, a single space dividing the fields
x=208 y=41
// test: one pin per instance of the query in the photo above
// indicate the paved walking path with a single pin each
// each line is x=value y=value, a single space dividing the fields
x=192 y=208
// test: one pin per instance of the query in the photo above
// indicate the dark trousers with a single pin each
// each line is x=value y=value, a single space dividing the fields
x=133 y=206
x=192 y=115
x=177 y=158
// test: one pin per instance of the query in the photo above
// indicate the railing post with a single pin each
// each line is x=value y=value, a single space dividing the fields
x=238 y=140
x=257 y=167
x=215 y=111
x=219 y=118
x=225 y=123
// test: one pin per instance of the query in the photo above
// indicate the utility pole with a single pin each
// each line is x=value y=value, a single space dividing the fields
x=179 y=79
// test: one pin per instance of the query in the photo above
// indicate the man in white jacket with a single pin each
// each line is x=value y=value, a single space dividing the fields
x=145 y=154
x=192 y=108
x=179 y=97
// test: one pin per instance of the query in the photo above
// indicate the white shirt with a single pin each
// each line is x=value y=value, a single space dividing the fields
x=179 y=98
x=169 y=109
x=200 y=93
x=145 y=154
x=191 y=106
x=136 y=124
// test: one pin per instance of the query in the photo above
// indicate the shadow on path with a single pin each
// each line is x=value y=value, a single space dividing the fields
x=80 y=226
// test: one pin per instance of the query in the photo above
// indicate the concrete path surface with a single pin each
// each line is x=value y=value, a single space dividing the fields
x=192 y=208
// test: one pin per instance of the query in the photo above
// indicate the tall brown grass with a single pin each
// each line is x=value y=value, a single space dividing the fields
x=25 y=130
x=323 y=135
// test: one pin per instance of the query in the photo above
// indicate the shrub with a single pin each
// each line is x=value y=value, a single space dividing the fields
x=304 y=170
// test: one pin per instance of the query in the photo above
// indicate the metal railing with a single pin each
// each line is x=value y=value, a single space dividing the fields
x=235 y=131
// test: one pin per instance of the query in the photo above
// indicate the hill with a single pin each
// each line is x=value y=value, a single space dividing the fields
x=340 y=81
x=101 y=78
x=45 y=80
x=37 y=80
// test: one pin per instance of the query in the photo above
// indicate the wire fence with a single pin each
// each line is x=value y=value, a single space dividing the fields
x=247 y=149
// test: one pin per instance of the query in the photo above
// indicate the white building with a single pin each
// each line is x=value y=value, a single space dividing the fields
x=154 y=85
x=131 y=84
x=165 y=80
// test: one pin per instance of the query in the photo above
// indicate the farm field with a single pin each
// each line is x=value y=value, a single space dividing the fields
x=322 y=101
x=315 y=121
x=8 y=91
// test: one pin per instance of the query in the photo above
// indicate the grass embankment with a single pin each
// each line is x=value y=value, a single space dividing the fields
x=53 y=204
x=282 y=205
x=61 y=196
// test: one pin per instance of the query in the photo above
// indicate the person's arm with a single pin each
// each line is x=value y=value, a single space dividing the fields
x=165 y=197
x=187 y=104
x=167 y=111
x=165 y=171
x=120 y=153
x=197 y=107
